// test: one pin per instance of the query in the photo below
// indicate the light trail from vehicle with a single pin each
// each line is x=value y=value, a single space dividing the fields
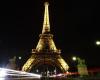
x=9 y=73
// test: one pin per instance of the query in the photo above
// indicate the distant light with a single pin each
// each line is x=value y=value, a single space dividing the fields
x=55 y=70
x=37 y=70
x=20 y=57
x=74 y=58
x=48 y=71
x=97 y=42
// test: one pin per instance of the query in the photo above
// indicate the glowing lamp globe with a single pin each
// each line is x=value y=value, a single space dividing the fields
x=74 y=58
x=97 y=42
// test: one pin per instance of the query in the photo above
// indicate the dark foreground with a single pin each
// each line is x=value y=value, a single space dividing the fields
x=57 y=78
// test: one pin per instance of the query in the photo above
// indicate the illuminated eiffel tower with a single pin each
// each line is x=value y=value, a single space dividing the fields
x=46 y=51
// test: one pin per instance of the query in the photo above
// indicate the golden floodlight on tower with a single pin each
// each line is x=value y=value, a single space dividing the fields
x=46 y=51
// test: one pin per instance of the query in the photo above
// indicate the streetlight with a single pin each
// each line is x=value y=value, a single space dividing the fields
x=74 y=58
x=97 y=42
x=19 y=58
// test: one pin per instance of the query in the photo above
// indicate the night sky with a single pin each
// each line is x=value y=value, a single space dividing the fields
x=74 y=25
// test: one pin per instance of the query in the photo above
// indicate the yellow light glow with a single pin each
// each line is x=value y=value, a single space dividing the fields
x=63 y=63
x=27 y=64
x=46 y=24
x=97 y=42
x=74 y=58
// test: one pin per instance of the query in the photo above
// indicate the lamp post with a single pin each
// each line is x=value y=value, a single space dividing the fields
x=81 y=66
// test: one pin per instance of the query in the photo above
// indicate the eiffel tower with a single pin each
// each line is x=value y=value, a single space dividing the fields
x=46 y=51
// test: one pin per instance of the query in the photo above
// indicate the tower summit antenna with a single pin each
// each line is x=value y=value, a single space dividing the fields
x=46 y=23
